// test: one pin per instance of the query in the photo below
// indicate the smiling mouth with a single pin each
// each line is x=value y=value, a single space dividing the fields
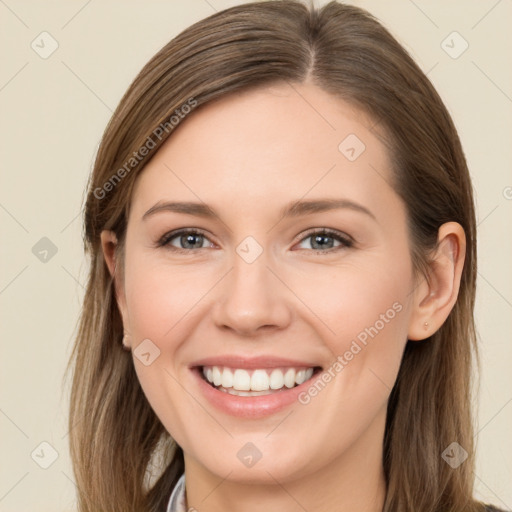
x=257 y=382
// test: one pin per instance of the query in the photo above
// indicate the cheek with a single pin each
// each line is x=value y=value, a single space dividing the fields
x=160 y=296
x=350 y=299
x=363 y=318
x=363 y=315
x=164 y=305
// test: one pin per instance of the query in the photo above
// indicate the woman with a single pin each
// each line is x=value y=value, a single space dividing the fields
x=282 y=237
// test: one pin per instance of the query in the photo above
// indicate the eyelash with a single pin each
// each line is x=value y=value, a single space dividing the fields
x=346 y=241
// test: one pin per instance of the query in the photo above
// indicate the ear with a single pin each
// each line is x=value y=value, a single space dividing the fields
x=109 y=245
x=434 y=298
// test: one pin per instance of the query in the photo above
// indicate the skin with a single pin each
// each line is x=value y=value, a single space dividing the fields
x=246 y=156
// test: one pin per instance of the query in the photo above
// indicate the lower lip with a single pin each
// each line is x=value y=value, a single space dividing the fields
x=246 y=406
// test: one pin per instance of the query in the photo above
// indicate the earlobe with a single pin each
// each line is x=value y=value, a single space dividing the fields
x=435 y=297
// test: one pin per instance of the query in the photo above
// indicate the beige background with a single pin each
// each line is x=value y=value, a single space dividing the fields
x=54 y=111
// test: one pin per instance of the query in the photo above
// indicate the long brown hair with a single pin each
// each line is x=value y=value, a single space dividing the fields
x=122 y=455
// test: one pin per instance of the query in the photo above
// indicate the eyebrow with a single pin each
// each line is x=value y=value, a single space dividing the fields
x=294 y=209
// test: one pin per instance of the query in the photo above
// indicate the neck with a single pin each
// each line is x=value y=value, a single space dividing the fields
x=353 y=481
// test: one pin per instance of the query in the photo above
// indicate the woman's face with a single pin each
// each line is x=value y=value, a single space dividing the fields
x=260 y=296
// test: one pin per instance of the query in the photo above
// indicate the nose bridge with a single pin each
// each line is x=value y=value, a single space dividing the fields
x=251 y=296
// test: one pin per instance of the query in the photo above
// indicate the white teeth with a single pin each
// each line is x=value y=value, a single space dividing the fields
x=289 y=378
x=303 y=375
x=299 y=376
x=259 y=380
x=242 y=382
x=227 y=378
x=232 y=391
x=276 y=379
x=217 y=377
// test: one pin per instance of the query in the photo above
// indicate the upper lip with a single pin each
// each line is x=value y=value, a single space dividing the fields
x=264 y=361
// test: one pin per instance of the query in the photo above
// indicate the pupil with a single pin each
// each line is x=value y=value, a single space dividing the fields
x=187 y=241
x=322 y=241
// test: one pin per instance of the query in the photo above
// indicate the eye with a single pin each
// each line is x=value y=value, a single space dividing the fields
x=326 y=240
x=319 y=240
x=185 y=240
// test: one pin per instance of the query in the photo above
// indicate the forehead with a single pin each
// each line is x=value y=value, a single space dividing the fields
x=270 y=145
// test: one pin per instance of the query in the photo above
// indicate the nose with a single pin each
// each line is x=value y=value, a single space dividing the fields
x=252 y=299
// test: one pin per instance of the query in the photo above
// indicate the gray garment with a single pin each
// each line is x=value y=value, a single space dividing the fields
x=177 y=501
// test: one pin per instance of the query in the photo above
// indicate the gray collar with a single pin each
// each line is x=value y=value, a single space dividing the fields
x=177 y=501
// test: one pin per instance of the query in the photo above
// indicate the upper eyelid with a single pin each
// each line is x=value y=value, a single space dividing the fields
x=167 y=237
x=327 y=231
